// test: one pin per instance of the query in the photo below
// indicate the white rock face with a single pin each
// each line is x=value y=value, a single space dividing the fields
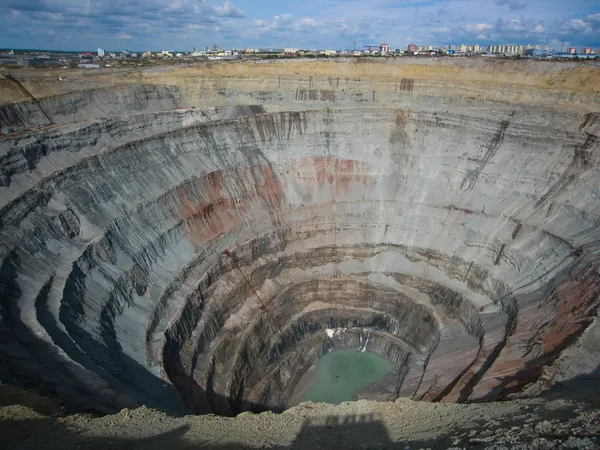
x=201 y=259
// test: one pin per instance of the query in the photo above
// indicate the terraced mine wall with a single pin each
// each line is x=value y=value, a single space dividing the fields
x=195 y=238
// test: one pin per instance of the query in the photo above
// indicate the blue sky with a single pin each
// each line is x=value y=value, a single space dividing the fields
x=183 y=24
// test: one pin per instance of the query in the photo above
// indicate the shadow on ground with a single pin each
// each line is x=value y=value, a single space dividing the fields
x=329 y=432
x=30 y=431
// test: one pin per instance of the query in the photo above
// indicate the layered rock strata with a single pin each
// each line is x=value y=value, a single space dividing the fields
x=161 y=248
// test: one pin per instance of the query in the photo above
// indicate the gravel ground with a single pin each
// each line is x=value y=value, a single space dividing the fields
x=550 y=422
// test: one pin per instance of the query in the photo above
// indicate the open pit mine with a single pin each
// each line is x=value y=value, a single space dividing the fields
x=196 y=239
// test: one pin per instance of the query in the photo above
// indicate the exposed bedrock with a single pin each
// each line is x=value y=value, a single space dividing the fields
x=202 y=259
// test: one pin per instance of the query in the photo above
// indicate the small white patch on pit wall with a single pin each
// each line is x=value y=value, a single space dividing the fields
x=330 y=332
x=364 y=349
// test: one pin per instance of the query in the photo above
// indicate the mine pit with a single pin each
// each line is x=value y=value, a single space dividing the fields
x=231 y=238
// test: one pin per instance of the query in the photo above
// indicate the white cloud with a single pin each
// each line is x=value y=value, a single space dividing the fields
x=230 y=10
x=580 y=25
x=196 y=27
x=516 y=25
x=283 y=18
x=512 y=4
x=124 y=37
x=279 y=21
x=305 y=24
x=478 y=27
x=577 y=23
x=539 y=28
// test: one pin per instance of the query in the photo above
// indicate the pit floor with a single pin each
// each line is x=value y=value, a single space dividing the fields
x=338 y=374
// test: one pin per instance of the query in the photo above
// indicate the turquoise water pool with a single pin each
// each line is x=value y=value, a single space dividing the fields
x=340 y=373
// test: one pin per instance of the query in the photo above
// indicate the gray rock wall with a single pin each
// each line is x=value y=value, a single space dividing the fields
x=199 y=259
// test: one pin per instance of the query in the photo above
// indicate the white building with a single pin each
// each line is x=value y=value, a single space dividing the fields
x=101 y=53
x=475 y=48
x=507 y=49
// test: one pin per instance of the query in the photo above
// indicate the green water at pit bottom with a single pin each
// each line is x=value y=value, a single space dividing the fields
x=353 y=368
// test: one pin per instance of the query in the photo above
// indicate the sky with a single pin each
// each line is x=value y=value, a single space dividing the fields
x=178 y=25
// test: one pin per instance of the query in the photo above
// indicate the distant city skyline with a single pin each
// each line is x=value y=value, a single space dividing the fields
x=337 y=24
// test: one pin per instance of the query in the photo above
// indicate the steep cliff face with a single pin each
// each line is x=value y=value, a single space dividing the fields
x=202 y=259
